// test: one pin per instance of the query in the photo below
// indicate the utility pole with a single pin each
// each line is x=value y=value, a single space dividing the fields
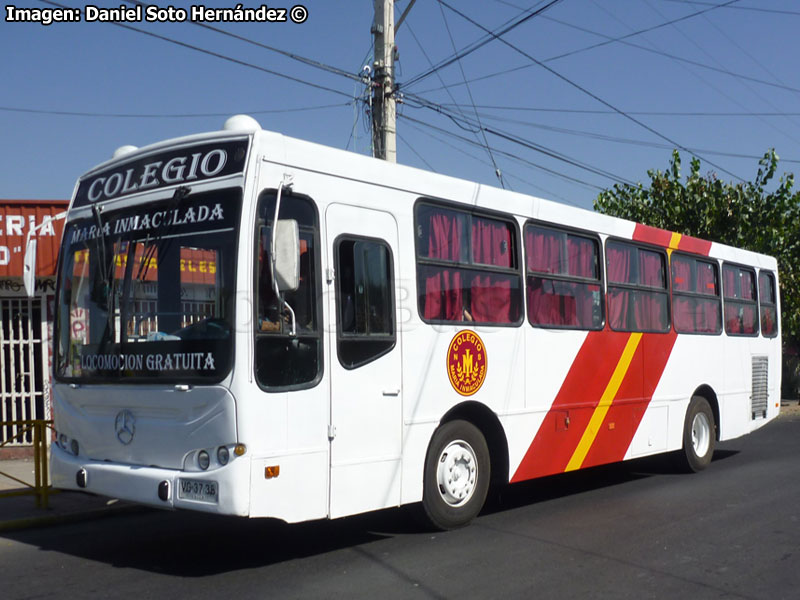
x=384 y=132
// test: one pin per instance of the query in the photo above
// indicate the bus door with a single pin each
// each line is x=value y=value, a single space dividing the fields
x=365 y=365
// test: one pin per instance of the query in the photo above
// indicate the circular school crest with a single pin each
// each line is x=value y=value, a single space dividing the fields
x=466 y=362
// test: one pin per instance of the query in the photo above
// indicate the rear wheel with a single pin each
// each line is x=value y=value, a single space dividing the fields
x=699 y=435
x=457 y=474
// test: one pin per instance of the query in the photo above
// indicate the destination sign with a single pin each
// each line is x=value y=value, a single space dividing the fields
x=178 y=166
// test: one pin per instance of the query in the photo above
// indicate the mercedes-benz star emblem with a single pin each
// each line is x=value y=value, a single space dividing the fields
x=125 y=426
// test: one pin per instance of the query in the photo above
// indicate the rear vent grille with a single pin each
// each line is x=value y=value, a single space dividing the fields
x=758 y=401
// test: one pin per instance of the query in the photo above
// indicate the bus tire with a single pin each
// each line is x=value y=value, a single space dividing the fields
x=699 y=436
x=457 y=475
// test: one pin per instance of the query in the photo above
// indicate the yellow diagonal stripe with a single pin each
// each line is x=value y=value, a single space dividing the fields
x=593 y=428
x=673 y=243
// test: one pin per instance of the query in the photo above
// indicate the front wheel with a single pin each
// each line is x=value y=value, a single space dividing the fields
x=457 y=475
x=699 y=435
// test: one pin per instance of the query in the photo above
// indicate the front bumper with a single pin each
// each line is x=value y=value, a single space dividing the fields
x=142 y=484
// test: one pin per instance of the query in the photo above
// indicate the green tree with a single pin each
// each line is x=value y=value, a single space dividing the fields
x=745 y=215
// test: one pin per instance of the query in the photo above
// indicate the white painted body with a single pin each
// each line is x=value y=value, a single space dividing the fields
x=357 y=440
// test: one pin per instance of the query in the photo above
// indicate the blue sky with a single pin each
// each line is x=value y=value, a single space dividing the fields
x=722 y=83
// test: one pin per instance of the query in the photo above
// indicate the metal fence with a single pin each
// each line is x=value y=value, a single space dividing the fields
x=38 y=430
x=22 y=370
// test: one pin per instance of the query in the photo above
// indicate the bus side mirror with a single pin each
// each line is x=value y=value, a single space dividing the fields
x=287 y=255
x=29 y=268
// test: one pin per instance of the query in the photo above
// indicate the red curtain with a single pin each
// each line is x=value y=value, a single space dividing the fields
x=649 y=308
x=732 y=322
x=740 y=317
x=768 y=320
x=544 y=305
x=491 y=298
x=443 y=287
x=729 y=282
x=443 y=294
x=582 y=254
x=556 y=302
x=490 y=294
x=766 y=288
x=491 y=243
x=543 y=250
x=681 y=275
x=683 y=308
x=748 y=285
x=619 y=271
x=749 y=319
x=708 y=317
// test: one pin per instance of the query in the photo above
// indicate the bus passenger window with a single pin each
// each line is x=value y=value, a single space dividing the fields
x=768 y=304
x=563 y=279
x=741 y=305
x=637 y=288
x=466 y=267
x=364 y=300
x=696 y=306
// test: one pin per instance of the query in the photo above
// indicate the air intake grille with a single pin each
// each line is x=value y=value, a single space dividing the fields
x=758 y=401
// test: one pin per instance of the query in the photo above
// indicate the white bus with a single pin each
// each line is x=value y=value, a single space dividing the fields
x=398 y=337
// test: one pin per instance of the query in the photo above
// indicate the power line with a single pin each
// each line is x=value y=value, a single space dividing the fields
x=417 y=154
x=437 y=73
x=646 y=30
x=588 y=93
x=468 y=125
x=68 y=113
x=547 y=193
x=621 y=140
x=482 y=42
x=622 y=40
x=719 y=91
x=306 y=61
x=488 y=148
x=650 y=113
x=215 y=54
x=507 y=154
x=751 y=8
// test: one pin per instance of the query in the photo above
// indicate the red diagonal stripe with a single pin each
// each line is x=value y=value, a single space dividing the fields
x=555 y=442
x=632 y=400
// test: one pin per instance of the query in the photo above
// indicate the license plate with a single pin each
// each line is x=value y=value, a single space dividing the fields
x=201 y=491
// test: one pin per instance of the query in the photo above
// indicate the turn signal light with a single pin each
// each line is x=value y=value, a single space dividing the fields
x=239 y=449
x=271 y=472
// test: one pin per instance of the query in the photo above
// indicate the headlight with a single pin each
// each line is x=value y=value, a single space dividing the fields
x=203 y=460
x=68 y=444
x=223 y=456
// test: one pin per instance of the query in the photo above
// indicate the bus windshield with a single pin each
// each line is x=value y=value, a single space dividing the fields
x=146 y=293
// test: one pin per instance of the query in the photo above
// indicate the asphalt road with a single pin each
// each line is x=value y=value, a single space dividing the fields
x=637 y=530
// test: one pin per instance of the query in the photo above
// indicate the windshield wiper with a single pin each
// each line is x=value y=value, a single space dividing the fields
x=105 y=269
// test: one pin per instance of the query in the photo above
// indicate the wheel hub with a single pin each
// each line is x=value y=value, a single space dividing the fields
x=457 y=473
x=701 y=434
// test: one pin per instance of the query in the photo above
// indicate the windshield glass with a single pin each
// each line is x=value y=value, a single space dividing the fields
x=147 y=293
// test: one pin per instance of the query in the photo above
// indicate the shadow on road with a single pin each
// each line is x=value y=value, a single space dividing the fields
x=578 y=482
x=197 y=545
x=188 y=544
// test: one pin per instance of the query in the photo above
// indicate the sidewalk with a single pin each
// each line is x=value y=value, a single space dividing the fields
x=21 y=512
